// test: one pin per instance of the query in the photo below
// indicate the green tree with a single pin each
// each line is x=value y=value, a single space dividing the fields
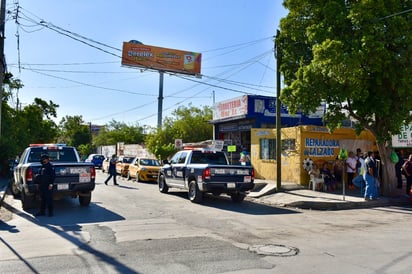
x=34 y=124
x=74 y=131
x=10 y=142
x=187 y=123
x=115 y=132
x=356 y=57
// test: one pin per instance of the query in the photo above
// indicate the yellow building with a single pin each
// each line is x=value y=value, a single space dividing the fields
x=300 y=143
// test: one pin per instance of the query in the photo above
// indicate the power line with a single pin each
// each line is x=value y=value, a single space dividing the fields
x=89 y=85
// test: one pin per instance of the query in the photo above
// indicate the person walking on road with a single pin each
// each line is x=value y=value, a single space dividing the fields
x=112 y=170
x=45 y=180
x=371 y=177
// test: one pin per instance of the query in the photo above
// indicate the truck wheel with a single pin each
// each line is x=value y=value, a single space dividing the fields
x=195 y=195
x=85 y=199
x=27 y=201
x=14 y=190
x=163 y=188
x=237 y=197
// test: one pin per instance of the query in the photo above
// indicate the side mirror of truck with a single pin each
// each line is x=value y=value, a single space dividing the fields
x=165 y=162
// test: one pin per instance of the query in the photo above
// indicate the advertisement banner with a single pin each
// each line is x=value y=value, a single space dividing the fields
x=404 y=138
x=230 y=108
x=164 y=59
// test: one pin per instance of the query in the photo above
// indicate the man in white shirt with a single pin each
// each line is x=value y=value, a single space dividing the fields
x=351 y=169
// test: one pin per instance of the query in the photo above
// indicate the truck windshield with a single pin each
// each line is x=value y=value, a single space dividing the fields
x=65 y=154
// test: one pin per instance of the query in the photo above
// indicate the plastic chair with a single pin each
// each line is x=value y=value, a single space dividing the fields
x=316 y=182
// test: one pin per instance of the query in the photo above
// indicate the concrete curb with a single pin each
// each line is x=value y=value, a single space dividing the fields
x=297 y=196
x=317 y=205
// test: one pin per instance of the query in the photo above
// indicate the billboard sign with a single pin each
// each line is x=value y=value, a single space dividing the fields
x=164 y=59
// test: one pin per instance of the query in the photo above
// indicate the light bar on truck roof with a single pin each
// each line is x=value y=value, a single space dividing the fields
x=47 y=145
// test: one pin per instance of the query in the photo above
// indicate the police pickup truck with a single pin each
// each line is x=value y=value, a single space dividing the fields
x=205 y=171
x=73 y=177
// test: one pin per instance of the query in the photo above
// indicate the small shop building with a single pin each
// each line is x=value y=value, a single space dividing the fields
x=302 y=145
x=233 y=120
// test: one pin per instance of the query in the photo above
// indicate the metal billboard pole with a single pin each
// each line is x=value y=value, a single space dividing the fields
x=160 y=100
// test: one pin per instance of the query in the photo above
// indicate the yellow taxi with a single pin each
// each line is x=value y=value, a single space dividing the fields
x=122 y=165
x=144 y=169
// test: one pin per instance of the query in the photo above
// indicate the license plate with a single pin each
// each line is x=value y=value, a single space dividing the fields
x=62 y=186
x=84 y=177
x=231 y=185
x=247 y=179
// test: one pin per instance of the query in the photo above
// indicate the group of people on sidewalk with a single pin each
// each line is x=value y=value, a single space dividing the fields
x=361 y=172
x=368 y=176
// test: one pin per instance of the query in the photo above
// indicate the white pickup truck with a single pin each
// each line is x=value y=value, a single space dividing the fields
x=73 y=177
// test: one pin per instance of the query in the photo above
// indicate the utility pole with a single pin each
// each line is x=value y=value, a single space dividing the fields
x=3 y=59
x=278 y=56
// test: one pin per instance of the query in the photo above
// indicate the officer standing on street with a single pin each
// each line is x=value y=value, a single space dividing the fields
x=45 y=180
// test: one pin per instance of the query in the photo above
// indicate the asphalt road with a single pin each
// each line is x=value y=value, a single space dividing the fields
x=133 y=228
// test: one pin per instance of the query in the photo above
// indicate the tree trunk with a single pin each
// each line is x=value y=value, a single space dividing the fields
x=387 y=174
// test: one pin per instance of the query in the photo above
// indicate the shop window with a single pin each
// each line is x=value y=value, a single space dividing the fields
x=268 y=148
x=288 y=145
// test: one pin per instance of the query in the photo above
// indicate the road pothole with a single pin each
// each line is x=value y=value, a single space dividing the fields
x=274 y=250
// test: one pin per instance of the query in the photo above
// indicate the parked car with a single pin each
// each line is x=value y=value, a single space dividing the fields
x=144 y=169
x=105 y=165
x=122 y=166
x=96 y=159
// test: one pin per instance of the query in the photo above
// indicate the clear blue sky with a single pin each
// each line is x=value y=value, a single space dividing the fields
x=234 y=37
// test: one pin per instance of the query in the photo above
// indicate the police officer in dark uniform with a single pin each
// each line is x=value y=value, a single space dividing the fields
x=45 y=180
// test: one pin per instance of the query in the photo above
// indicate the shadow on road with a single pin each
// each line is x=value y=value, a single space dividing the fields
x=69 y=218
x=224 y=202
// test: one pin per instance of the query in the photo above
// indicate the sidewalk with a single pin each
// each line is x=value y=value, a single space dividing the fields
x=297 y=196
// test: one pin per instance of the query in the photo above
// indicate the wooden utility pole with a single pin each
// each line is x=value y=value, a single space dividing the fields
x=278 y=55
x=3 y=59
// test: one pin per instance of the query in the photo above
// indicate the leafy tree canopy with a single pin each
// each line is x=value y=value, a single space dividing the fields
x=187 y=123
x=115 y=132
x=353 y=55
x=74 y=131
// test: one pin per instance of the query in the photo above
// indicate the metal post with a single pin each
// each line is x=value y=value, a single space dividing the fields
x=278 y=56
x=160 y=101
